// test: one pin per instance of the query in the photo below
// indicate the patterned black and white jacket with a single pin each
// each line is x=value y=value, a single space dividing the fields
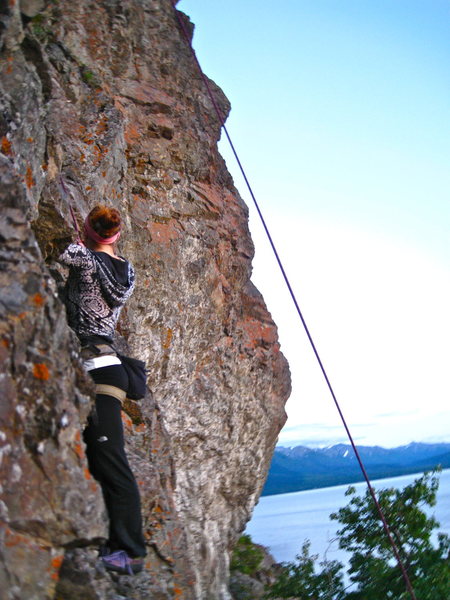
x=96 y=290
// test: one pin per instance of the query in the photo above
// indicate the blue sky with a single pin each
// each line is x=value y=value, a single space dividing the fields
x=340 y=115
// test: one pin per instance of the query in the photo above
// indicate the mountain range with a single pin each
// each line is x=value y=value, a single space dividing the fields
x=302 y=468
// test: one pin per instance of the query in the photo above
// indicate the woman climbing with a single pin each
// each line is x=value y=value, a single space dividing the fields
x=99 y=284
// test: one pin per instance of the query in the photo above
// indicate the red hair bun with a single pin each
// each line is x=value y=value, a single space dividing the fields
x=104 y=220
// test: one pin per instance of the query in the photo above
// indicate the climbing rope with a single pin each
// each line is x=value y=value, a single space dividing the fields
x=299 y=312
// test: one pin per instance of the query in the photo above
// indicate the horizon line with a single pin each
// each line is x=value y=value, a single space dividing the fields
x=316 y=447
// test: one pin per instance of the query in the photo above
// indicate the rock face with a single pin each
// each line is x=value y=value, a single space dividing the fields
x=106 y=96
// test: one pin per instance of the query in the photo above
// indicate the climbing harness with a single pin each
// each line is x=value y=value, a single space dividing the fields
x=299 y=312
x=110 y=390
x=96 y=356
x=98 y=362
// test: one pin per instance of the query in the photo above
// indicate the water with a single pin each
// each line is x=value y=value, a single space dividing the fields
x=282 y=522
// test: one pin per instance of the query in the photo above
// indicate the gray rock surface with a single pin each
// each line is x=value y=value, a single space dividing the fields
x=106 y=95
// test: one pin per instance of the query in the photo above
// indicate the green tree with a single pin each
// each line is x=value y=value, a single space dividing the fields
x=300 y=579
x=372 y=566
x=373 y=569
x=246 y=556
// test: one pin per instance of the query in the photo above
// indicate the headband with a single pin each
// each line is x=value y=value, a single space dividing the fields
x=95 y=237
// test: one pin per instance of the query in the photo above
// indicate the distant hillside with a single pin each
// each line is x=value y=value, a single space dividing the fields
x=302 y=468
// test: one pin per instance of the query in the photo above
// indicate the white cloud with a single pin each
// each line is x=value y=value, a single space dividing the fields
x=378 y=313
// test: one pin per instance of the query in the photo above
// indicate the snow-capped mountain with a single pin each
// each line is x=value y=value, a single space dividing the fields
x=301 y=468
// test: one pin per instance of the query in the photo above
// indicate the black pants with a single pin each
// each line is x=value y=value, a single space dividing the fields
x=108 y=463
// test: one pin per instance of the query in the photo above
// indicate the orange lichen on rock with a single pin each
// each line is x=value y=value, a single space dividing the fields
x=6 y=146
x=126 y=420
x=99 y=154
x=131 y=134
x=56 y=566
x=40 y=371
x=38 y=299
x=29 y=180
x=167 y=342
x=57 y=561
x=78 y=448
x=12 y=539
x=102 y=126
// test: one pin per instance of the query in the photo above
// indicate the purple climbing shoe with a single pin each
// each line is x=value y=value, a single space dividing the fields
x=120 y=562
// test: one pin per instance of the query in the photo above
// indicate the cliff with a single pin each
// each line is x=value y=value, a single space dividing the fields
x=106 y=95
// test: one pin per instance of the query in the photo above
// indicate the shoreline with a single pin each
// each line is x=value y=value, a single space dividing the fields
x=356 y=481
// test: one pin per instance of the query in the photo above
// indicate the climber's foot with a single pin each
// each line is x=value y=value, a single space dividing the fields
x=120 y=562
